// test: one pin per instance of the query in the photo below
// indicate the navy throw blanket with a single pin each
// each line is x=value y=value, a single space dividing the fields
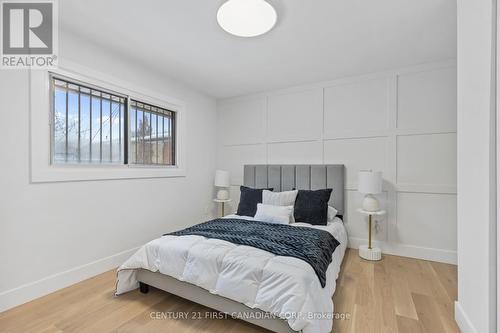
x=314 y=246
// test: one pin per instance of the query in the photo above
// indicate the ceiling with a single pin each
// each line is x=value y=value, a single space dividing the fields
x=314 y=40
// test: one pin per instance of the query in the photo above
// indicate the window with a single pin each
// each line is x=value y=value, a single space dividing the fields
x=91 y=125
x=151 y=134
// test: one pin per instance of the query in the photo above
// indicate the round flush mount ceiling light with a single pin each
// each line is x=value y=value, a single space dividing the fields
x=246 y=18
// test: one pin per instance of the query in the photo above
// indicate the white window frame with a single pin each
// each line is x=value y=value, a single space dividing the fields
x=42 y=170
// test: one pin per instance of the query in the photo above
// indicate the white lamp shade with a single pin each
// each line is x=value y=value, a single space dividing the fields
x=222 y=178
x=370 y=182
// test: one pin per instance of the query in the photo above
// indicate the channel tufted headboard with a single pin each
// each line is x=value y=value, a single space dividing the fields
x=301 y=177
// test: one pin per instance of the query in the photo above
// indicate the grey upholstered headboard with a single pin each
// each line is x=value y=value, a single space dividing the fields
x=300 y=177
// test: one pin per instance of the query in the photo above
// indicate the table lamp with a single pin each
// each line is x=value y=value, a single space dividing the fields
x=222 y=182
x=369 y=183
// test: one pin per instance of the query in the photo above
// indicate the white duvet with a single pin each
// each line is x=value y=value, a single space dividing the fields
x=285 y=286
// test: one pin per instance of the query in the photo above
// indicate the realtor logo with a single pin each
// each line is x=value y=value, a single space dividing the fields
x=29 y=34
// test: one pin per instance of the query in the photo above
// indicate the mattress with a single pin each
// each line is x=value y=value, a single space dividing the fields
x=284 y=286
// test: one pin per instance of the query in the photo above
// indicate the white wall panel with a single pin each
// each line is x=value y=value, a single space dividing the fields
x=295 y=153
x=354 y=121
x=427 y=159
x=345 y=110
x=242 y=122
x=427 y=220
x=428 y=100
x=233 y=158
x=357 y=154
x=295 y=116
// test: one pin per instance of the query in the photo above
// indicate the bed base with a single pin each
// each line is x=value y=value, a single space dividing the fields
x=201 y=296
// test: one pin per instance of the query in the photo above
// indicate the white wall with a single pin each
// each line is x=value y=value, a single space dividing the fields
x=402 y=122
x=48 y=231
x=475 y=309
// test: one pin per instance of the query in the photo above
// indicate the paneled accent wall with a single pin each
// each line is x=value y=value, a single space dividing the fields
x=401 y=122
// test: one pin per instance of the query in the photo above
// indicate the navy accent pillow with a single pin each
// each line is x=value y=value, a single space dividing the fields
x=312 y=206
x=249 y=198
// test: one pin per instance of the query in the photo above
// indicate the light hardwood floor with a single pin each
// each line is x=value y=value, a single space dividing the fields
x=394 y=295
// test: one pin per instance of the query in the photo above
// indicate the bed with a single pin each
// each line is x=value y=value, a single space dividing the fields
x=279 y=293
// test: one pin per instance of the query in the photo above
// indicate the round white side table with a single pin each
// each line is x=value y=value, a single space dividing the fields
x=367 y=251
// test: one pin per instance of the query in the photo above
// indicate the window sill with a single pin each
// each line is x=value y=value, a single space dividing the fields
x=58 y=173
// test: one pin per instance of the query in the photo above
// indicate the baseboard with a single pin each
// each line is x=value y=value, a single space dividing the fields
x=439 y=255
x=49 y=284
x=463 y=320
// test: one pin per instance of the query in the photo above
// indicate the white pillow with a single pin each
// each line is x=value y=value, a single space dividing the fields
x=286 y=198
x=332 y=212
x=273 y=214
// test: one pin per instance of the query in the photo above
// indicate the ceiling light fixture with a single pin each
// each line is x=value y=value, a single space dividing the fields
x=246 y=18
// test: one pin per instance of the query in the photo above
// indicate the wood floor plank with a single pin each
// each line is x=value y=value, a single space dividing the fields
x=409 y=325
x=394 y=295
x=428 y=313
x=52 y=305
x=384 y=303
x=366 y=319
x=447 y=275
x=401 y=293
x=417 y=278
x=108 y=317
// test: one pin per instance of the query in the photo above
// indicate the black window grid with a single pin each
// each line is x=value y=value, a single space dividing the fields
x=164 y=119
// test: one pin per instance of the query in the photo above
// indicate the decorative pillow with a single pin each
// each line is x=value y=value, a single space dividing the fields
x=249 y=198
x=332 y=213
x=312 y=206
x=273 y=214
x=286 y=198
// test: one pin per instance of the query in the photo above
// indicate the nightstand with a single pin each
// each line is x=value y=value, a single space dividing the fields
x=367 y=251
x=222 y=202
